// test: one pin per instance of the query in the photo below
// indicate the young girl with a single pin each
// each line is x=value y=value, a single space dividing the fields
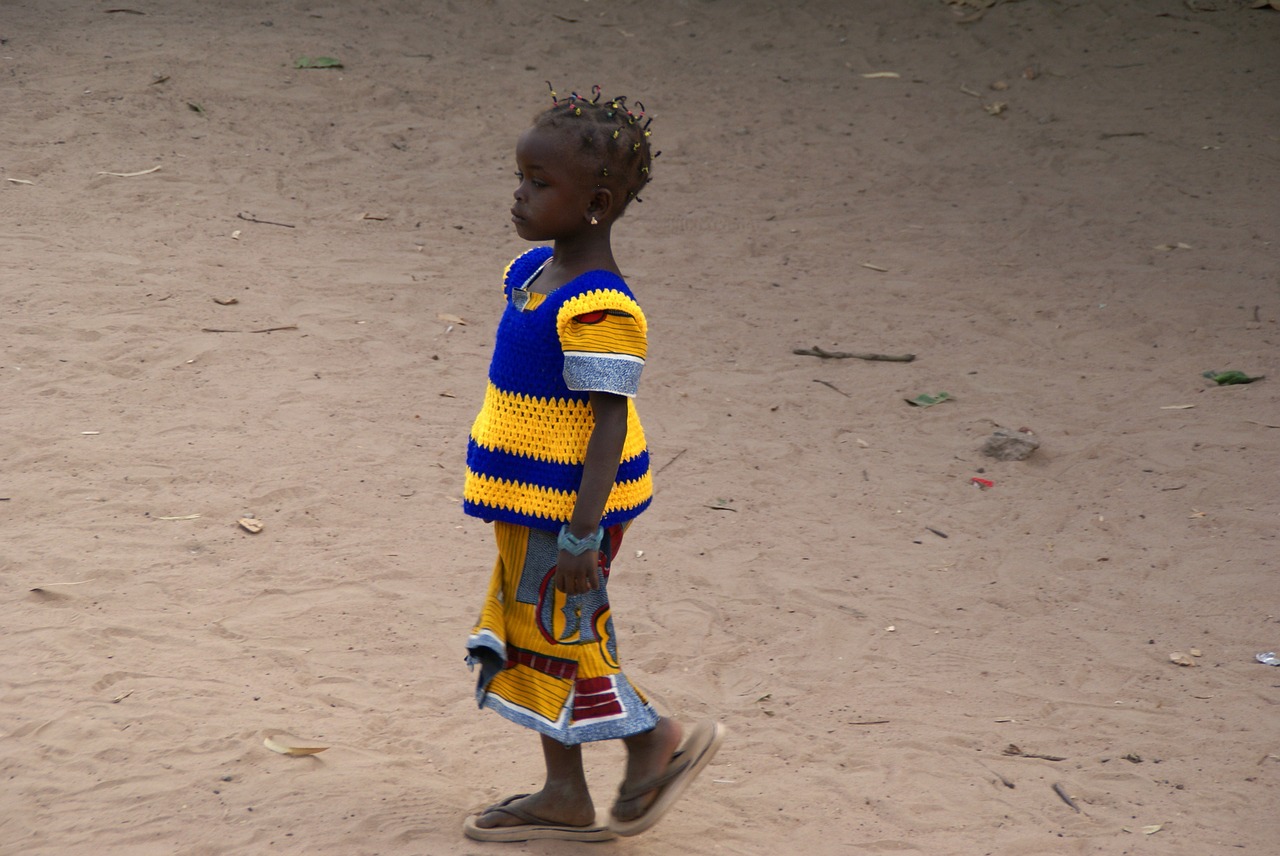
x=557 y=460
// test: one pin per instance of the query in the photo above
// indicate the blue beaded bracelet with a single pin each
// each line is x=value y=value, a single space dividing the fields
x=577 y=546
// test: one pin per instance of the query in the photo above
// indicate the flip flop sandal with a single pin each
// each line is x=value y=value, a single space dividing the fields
x=688 y=761
x=532 y=827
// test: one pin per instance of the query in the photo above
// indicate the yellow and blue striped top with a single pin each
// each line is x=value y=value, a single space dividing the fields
x=528 y=443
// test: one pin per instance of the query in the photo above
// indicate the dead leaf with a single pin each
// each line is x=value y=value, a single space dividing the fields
x=999 y=85
x=870 y=266
x=882 y=75
x=183 y=517
x=250 y=524
x=131 y=174
x=1177 y=407
x=226 y=301
x=1181 y=659
x=44 y=586
x=1152 y=829
x=995 y=108
x=449 y=318
x=367 y=216
x=287 y=744
x=1015 y=749
x=19 y=181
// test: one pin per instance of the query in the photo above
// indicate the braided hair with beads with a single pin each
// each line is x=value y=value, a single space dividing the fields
x=612 y=133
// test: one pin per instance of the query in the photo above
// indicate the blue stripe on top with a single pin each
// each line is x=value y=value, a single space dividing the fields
x=548 y=474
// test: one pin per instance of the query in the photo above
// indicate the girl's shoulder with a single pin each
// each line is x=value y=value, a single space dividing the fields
x=523 y=266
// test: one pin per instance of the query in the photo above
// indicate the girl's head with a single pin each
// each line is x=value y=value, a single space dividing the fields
x=612 y=137
x=583 y=146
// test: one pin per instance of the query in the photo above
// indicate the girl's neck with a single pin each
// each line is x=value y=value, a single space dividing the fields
x=572 y=258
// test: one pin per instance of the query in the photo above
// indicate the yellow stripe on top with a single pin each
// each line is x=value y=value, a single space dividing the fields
x=550 y=504
x=546 y=430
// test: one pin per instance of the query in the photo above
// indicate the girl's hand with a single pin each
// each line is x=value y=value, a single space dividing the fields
x=577 y=574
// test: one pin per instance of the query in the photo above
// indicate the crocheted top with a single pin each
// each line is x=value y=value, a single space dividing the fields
x=527 y=445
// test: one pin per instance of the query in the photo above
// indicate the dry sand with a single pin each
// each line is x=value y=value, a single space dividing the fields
x=1071 y=263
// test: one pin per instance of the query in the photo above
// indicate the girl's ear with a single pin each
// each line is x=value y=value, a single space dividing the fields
x=600 y=205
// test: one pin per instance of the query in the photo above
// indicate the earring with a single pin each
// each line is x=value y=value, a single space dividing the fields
x=594 y=221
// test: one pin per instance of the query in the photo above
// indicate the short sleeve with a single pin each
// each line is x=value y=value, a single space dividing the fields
x=604 y=350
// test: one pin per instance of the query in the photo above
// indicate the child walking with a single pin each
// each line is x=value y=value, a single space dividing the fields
x=557 y=461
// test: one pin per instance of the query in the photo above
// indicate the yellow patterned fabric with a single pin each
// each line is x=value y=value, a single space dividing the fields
x=603 y=323
x=549 y=661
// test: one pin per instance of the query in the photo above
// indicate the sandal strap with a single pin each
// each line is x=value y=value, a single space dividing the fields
x=523 y=816
x=674 y=769
x=504 y=802
x=527 y=817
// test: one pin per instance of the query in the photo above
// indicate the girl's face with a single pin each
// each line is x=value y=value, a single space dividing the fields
x=557 y=187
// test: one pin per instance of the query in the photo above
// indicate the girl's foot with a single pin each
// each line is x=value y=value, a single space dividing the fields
x=548 y=810
x=648 y=755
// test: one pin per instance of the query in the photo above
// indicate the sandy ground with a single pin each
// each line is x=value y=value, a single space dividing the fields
x=1067 y=210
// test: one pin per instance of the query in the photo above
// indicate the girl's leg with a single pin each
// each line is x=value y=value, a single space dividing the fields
x=564 y=797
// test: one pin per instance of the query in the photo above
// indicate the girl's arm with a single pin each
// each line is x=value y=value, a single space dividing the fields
x=579 y=574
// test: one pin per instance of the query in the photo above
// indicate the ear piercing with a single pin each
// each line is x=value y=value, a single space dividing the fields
x=594 y=221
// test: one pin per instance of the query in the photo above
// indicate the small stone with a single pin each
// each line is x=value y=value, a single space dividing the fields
x=1007 y=445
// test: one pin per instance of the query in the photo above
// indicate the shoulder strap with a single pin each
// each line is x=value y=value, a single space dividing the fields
x=523 y=267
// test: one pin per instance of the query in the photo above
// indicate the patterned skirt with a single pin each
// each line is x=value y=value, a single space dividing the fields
x=549 y=661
